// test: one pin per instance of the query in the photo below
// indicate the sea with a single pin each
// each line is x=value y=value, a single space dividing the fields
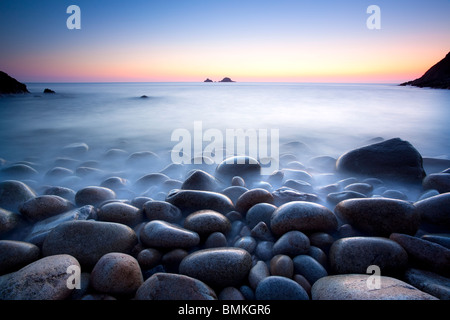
x=328 y=118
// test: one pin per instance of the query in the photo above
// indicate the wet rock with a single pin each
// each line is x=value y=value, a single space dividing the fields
x=323 y=163
x=234 y=192
x=257 y=273
x=120 y=212
x=284 y=195
x=429 y=282
x=360 y=187
x=44 y=279
x=150 y=180
x=280 y=288
x=355 y=287
x=356 y=254
x=293 y=174
x=169 y=286
x=251 y=198
x=437 y=181
x=435 y=210
x=161 y=210
x=428 y=194
x=302 y=216
x=200 y=180
x=172 y=259
x=336 y=197
x=425 y=254
x=88 y=241
x=442 y=239
x=115 y=183
x=292 y=243
x=230 y=293
x=205 y=222
x=62 y=192
x=380 y=216
x=93 y=196
x=9 y=221
x=161 y=234
x=45 y=206
x=16 y=254
x=282 y=265
x=391 y=159
x=309 y=267
x=116 y=274
x=216 y=240
x=189 y=201
x=247 y=243
x=75 y=149
x=245 y=167
x=14 y=193
x=149 y=258
x=321 y=240
x=18 y=172
x=221 y=267
x=42 y=228
x=260 y=212
x=299 y=185
x=238 y=181
x=395 y=194
x=262 y=232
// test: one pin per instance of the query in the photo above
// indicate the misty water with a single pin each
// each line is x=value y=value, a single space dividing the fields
x=329 y=119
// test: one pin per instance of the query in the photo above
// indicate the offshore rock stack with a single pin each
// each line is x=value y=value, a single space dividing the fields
x=140 y=227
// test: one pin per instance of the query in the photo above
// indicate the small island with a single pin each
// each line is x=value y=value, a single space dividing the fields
x=226 y=79
x=9 y=85
x=208 y=80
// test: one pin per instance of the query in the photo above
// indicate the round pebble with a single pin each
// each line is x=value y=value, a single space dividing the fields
x=205 y=222
x=93 y=196
x=162 y=234
x=280 y=288
x=292 y=243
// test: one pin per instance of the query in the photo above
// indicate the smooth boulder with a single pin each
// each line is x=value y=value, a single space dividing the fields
x=13 y=193
x=162 y=234
x=189 y=201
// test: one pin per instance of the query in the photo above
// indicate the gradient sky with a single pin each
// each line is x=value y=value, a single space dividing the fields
x=247 y=40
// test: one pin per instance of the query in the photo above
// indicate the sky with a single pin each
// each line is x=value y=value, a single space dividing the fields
x=246 y=40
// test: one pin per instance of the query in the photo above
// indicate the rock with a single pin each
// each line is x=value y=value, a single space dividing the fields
x=169 y=286
x=245 y=167
x=14 y=193
x=88 y=241
x=323 y=163
x=257 y=273
x=18 y=172
x=308 y=267
x=120 y=212
x=302 y=216
x=299 y=185
x=428 y=194
x=221 y=267
x=238 y=181
x=116 y=274
x=321 y=240
x=149 y=180
x=189 y=201
x=230 y=293
x=251 y=198
x=356 y=254
x=438 y=76
x=115 y=183
x=44 y=279
x=284 y=195
x=172 y=259
x=226 y=79
x=437 y=181
x=161 y=234
x=43 y=207
x=357 y=287
x=216 y=240
x=200 y=180
x=205 y=222
x=280 y=288
x=143 y=160
x=264 y=250
x=292 y=243
x=425 y=254
x=9 y=221
x=94 y=196
x=260 y=212
x=42 y=228
x=161 y=210
x=435 y=210
x=75 y=149
x=208 y=80
x=391 y=159
x=442 y=239
x=429 y=282
x=379 y=216
x=62 y=192
x=336 y=197
x=47 y=90
x=234 y=192
x=9 y=85
x=16 y=254
x=282 y=265
x=247 y=243
x=394 y=194
x=149 y=258
x=360 y=187
x=262 y=232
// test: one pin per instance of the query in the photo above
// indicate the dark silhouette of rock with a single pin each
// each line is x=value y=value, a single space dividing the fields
x=144 y=97
x=47 y=90
x=208 y=80
x=9 y=85
x=226 y=79
x=438 y=76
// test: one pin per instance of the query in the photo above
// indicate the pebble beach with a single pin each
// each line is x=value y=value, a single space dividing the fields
x=138 y=227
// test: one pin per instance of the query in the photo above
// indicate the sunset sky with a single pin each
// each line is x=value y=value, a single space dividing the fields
x=247 y=40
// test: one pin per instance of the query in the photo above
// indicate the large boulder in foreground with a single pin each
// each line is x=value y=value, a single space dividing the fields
x=394 y=159
x=9 y=85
